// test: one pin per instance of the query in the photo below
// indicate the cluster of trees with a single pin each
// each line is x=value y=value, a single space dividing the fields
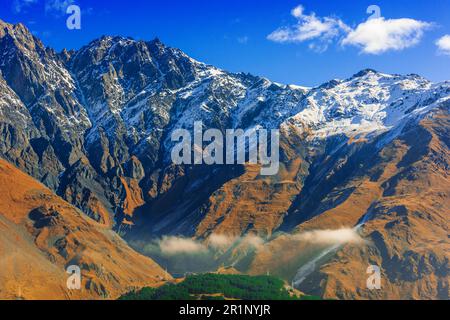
x=231 y=286
x=238 y=286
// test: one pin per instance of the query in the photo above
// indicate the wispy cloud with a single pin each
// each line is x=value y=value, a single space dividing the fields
x=20 y=5
x=329 y=237
x=176 y=245
x=380 y=35
x=220 y=241
x=171 y=245
x=310 y=28
x=252 y=241
x=443 y=45
x=374 y=36
x=57 y=7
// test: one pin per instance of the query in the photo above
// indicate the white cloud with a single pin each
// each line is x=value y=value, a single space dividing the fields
x=251 y=240
x=443 y=44
x=19 y=5
x=310 y=27
x=379 y=35
x=170 y=245
x=329 y=237
x=374 y=36
x=298 y=11
x=220 y=241
x=176 y=245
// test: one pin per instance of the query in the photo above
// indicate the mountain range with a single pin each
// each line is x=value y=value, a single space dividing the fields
x=363 y=177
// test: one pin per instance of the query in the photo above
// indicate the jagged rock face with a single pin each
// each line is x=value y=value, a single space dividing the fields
x=95 y=126
x=38 y=81
x=116 y=100
x=15 y=119
x=401 y=193
x=128 y=74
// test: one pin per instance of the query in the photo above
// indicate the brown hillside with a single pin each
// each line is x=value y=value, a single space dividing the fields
x=404 y=192
x=40 y=235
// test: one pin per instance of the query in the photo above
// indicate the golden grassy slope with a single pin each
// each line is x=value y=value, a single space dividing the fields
x=40 y=235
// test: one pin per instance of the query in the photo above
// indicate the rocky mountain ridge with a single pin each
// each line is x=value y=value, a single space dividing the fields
x=94 y=125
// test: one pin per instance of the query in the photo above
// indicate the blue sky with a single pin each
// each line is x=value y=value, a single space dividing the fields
x=316 y=42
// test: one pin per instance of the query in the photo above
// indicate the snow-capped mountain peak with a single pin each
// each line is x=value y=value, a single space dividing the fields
x=124 y=97
x=368 y=102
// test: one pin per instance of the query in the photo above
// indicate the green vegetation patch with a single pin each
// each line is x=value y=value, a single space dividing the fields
x=217 y=287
